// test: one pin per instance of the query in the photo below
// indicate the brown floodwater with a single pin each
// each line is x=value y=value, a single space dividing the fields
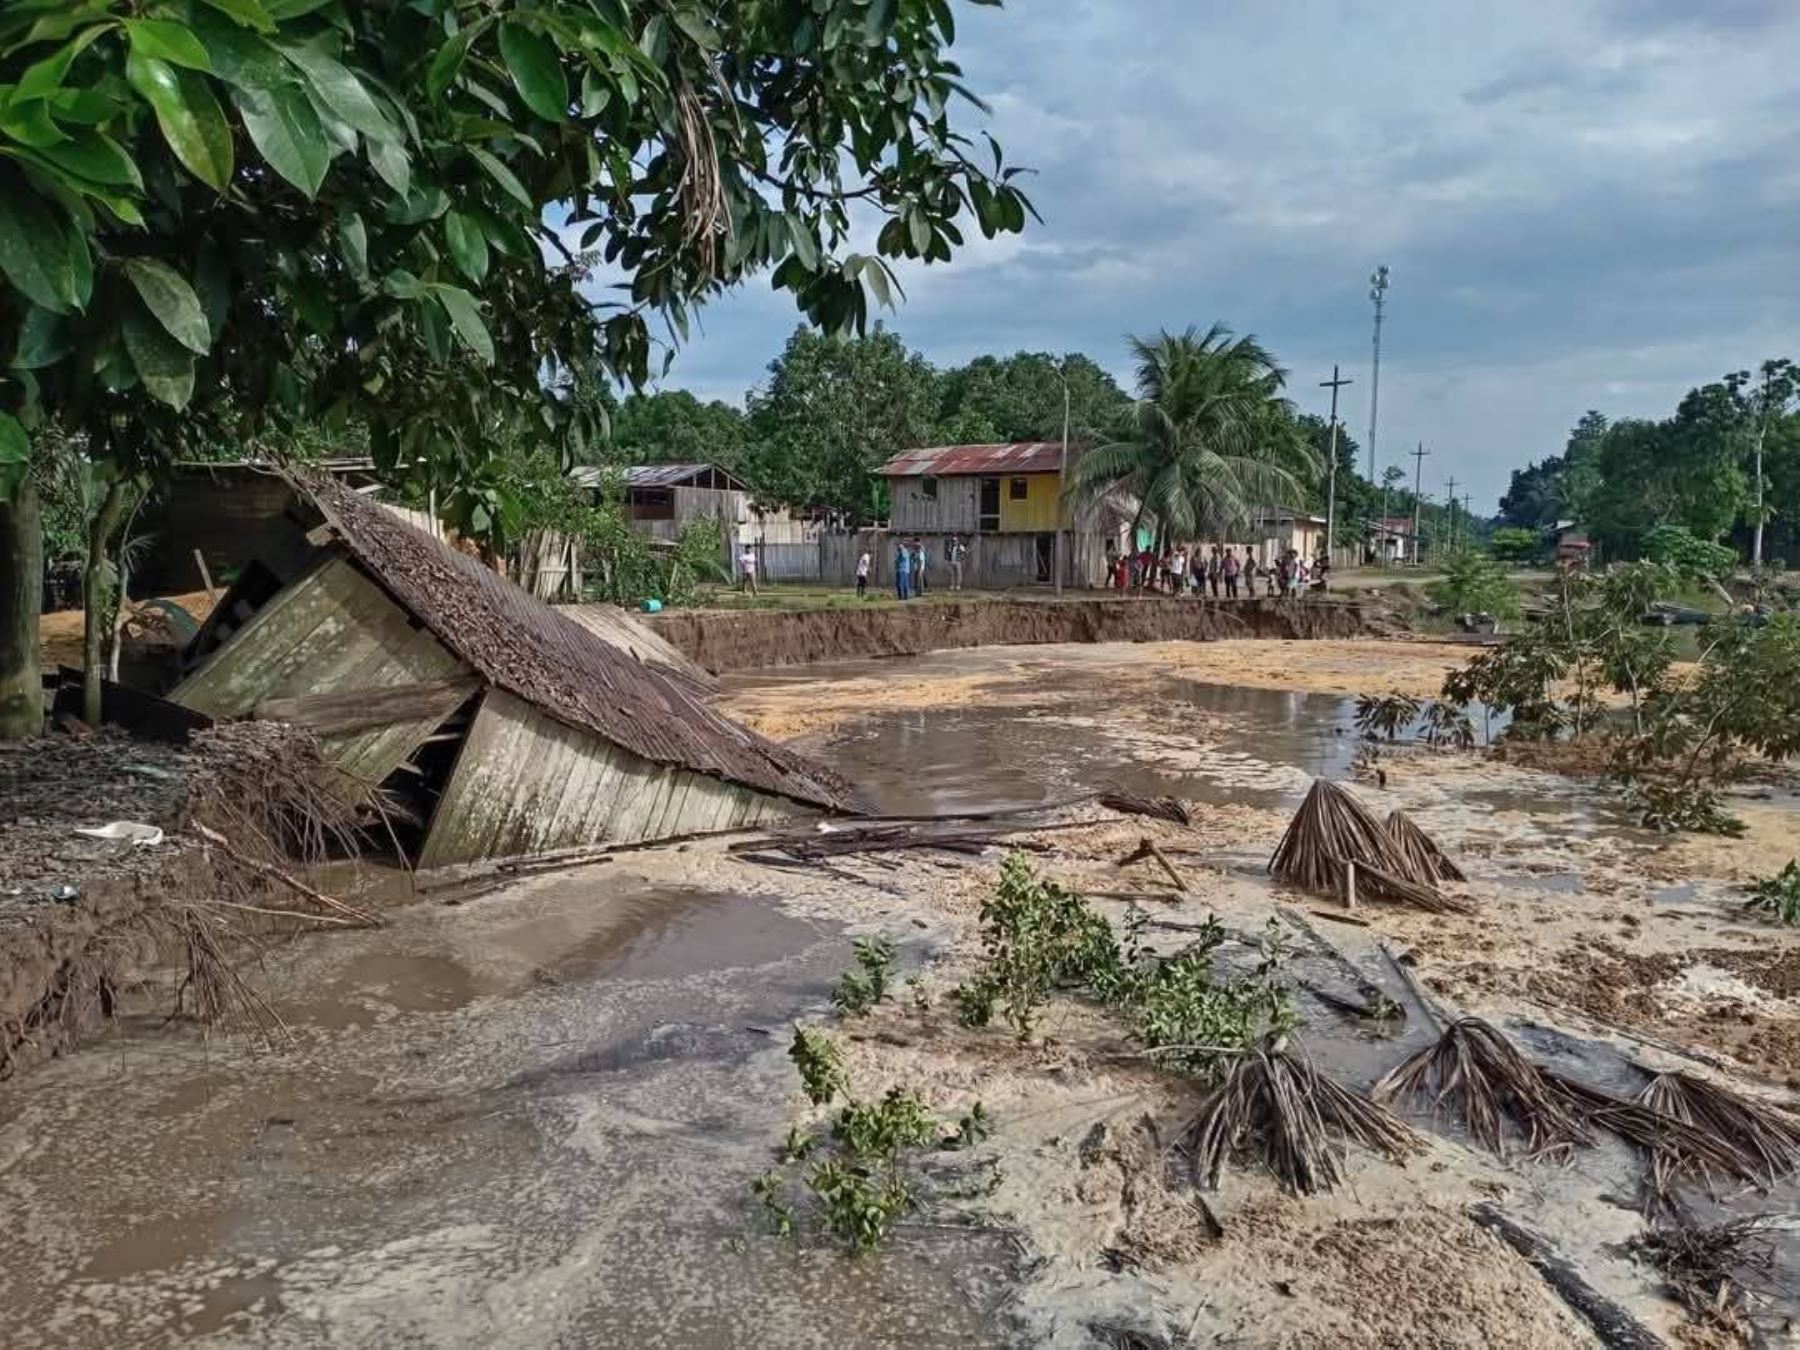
x=527 y=1120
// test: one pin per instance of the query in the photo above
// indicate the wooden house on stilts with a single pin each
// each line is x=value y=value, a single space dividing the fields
x=486 y=723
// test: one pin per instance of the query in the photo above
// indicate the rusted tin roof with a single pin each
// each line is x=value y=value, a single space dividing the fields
x=947 y=461
x=524 y=646
x=659 y=475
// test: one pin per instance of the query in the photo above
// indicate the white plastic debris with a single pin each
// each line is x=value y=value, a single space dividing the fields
x=133 y=832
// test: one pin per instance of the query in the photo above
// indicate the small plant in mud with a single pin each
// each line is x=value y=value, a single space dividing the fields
x=820 y=1062
x=921 y=1002
x=1778 y=896
x=856 y=1205
x=974 y=1126
x=861 y=1181
x=1180 y=1007
x=863 y=987
x=1037 y=938
x=1670 y=807
x=1385 y=716
x=1447 y=725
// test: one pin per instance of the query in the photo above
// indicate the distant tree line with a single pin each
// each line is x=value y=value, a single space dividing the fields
x=1694 y=470
x=832 y=410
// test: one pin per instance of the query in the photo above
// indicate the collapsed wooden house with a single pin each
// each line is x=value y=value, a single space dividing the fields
x=485 y=723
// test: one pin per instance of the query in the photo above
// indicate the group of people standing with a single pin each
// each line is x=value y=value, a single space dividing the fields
x=1219 y=571
x=911 y=570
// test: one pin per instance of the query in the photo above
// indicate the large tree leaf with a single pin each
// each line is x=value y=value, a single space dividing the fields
x=389 y=160
x=166 y=40
x=449 y=59
x=505 y=177
x=353 y=243
x=188 y=114
x=241 y=57
x=163 y=364
x=15 y=445
x=44 y=339
x=167 y=295
x=340 y=90
x=95 y=157
x=536 y=69
x=250 y=13
x=465 y=317
x=286 y=130
x=468 y=245
x=45 y=77
x=37 y=250
x=29 y=123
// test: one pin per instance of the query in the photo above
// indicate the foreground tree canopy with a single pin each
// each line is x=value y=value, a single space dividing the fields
x=241 y=209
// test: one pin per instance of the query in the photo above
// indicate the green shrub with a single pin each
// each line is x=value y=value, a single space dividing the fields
x=1472 y=584
x=820 y=1061
x=860 y=989
x=1678 y=547
x=1779 y=895
x=1385 y=714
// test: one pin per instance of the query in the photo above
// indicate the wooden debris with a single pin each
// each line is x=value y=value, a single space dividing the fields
x=1147 y=849
x=1332 y=828
x=1428 y=862
x=280 y=878
x=1156 y=808
x=1616 y=1328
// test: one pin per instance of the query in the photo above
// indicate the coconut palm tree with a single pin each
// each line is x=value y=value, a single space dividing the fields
x=1209 y=440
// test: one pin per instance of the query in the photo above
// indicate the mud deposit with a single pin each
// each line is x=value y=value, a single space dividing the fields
x=532 y=1119
x=725 y=642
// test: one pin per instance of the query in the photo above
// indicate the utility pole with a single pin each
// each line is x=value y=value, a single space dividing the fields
x=1418 y=479
x=1450 y=522
x=1062 y=476
x=1378 y=287
x=1468 y=520
x=1334 y=384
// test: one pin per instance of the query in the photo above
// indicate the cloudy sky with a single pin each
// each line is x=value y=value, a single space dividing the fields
x=1587 y=203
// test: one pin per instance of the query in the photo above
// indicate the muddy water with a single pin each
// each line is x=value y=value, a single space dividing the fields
x=529 y=1120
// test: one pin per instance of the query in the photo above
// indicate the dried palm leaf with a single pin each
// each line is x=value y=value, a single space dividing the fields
x=1332 y=828
x=1674 y=1142
x=1704 y=1266
x=1476 y=1074
x=1428 y=863
x=1764 y=1138
x=1275 y=1103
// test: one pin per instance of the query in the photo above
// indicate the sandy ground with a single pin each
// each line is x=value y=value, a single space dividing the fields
x=59 y=634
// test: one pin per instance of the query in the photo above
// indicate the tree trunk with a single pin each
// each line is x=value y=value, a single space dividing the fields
x=21 y=597
x=100 y=601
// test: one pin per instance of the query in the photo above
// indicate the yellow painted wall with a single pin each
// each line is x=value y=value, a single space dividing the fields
x=1039 y=509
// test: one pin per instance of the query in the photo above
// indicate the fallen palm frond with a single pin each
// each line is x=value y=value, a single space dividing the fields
x=1275 y=1103
x=1331 y=829
x=1764 y=1138
x=1674 y=1143
x=1427 y=861
x=1701 y=1264
x=1476 y=1074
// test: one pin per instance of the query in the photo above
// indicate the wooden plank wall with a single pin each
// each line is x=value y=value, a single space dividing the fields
x=955 y=510
x=526 y=783
x=332 y=631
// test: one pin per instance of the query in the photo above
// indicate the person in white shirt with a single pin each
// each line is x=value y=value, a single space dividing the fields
x=747 y=570
x=862 y=577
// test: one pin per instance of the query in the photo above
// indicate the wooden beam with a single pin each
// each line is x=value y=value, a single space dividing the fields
x=357 y=709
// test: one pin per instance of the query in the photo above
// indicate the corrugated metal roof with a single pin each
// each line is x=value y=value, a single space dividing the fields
x=946 y=461
x=657 y=475
x=522 y=645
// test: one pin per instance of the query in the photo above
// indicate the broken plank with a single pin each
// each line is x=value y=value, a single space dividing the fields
x=358 y=709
